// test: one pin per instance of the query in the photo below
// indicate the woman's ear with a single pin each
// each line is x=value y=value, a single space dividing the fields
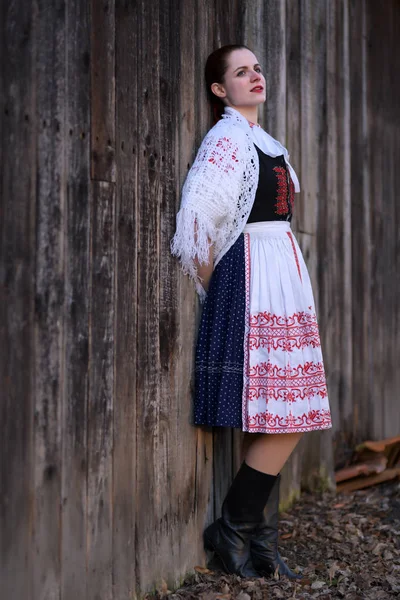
x=218 y=89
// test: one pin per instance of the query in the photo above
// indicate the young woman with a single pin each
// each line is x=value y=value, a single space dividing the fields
x=259 y=364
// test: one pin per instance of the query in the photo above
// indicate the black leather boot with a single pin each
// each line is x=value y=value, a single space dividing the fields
x=229 y=537
x=264 y=543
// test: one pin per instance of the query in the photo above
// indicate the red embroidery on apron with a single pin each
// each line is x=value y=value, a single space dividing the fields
x=295 y=254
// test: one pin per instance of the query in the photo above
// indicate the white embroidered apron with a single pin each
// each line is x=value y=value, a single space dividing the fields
x=284 y=386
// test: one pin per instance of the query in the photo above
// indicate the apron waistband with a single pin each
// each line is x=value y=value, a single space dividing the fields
x=269 y=228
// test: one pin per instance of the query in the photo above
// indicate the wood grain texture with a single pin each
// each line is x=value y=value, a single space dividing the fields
x=361 y=226
x=383 y=124
x=330 y=281
x=153 y=487
x=223 y=466
x=50 y=85
x=291 y=137
x=344 y=249
x=253 y=34
x=101 y=395
x=100 y=424
x=17 y=290
x=312 y=220
x=203 y=30
x=312 y=93
x=377 y=74
x=102 y=62
x=274 y=42
x=227 y=29
x=194 y=443
x=125 y=357
x=107 y=484
x=76 y=308
x=293 y=105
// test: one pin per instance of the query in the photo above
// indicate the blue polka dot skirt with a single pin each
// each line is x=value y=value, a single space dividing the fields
x=220 y=352
x=259 y=363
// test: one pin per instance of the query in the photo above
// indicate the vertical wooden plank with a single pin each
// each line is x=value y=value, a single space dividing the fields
x=180 y=542
x=228 y=28
x=161 y=421
x=102 y=305
x=103 y=90
x=223 y=465
x=125 y=556
x=206 y=43
x=49 y=296
x=221 y=16
x=293 y=83
x=101 y=388
x=312 y=71
x=152 y=488
x=291 y=474
x=226 y=18
x=190 y=438
x=17 y=275
x=179 y=483
x=274 y=33
x=252 y=33
x=393 y=414
x=253 y=37
x=361 y=226
x=76 y=336
x=206 y=40
x=345 y=208
x=312 y=52
x=382 y=121
x=238 y=449
x=329 y=291
x=391 y=229
x=377 y=166
x=390 y=131
x=311 y=210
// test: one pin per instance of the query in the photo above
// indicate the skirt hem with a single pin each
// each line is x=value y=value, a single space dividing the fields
x=266 y=430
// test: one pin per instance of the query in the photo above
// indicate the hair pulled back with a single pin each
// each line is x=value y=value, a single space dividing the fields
x=215 y=69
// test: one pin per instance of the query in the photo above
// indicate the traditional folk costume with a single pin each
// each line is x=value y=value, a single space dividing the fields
x=258 y=359
x=259 y=364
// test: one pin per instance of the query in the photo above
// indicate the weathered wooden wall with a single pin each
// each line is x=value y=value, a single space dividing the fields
x=105 y=484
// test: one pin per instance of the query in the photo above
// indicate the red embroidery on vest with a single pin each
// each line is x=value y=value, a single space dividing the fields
x=282 y=197
x=291 y=193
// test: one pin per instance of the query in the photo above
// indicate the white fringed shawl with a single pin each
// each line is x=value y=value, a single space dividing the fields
x=219 y=191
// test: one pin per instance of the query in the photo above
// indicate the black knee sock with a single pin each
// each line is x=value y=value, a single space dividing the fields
x=248 y=495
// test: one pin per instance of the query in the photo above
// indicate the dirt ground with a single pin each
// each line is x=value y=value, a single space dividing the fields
x=345 y=546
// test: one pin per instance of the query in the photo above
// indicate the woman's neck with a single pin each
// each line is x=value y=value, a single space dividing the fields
x=250 y=113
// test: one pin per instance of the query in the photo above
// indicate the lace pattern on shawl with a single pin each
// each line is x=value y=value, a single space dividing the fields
x=217 y=197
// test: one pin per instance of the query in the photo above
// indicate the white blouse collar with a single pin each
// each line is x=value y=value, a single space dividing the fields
x=262 y=139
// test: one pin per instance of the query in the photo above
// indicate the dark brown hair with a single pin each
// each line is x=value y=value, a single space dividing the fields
x=216 y=67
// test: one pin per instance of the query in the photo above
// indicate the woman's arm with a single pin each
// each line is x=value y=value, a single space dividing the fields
x=205 y=270
x=211 y=188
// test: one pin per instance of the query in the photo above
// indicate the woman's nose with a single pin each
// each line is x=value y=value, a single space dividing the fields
x=255 y=76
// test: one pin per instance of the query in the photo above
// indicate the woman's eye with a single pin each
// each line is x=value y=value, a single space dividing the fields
x=240 y=73
x=258 y=69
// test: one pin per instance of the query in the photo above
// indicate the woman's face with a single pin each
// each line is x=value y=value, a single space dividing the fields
x=244 y=83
